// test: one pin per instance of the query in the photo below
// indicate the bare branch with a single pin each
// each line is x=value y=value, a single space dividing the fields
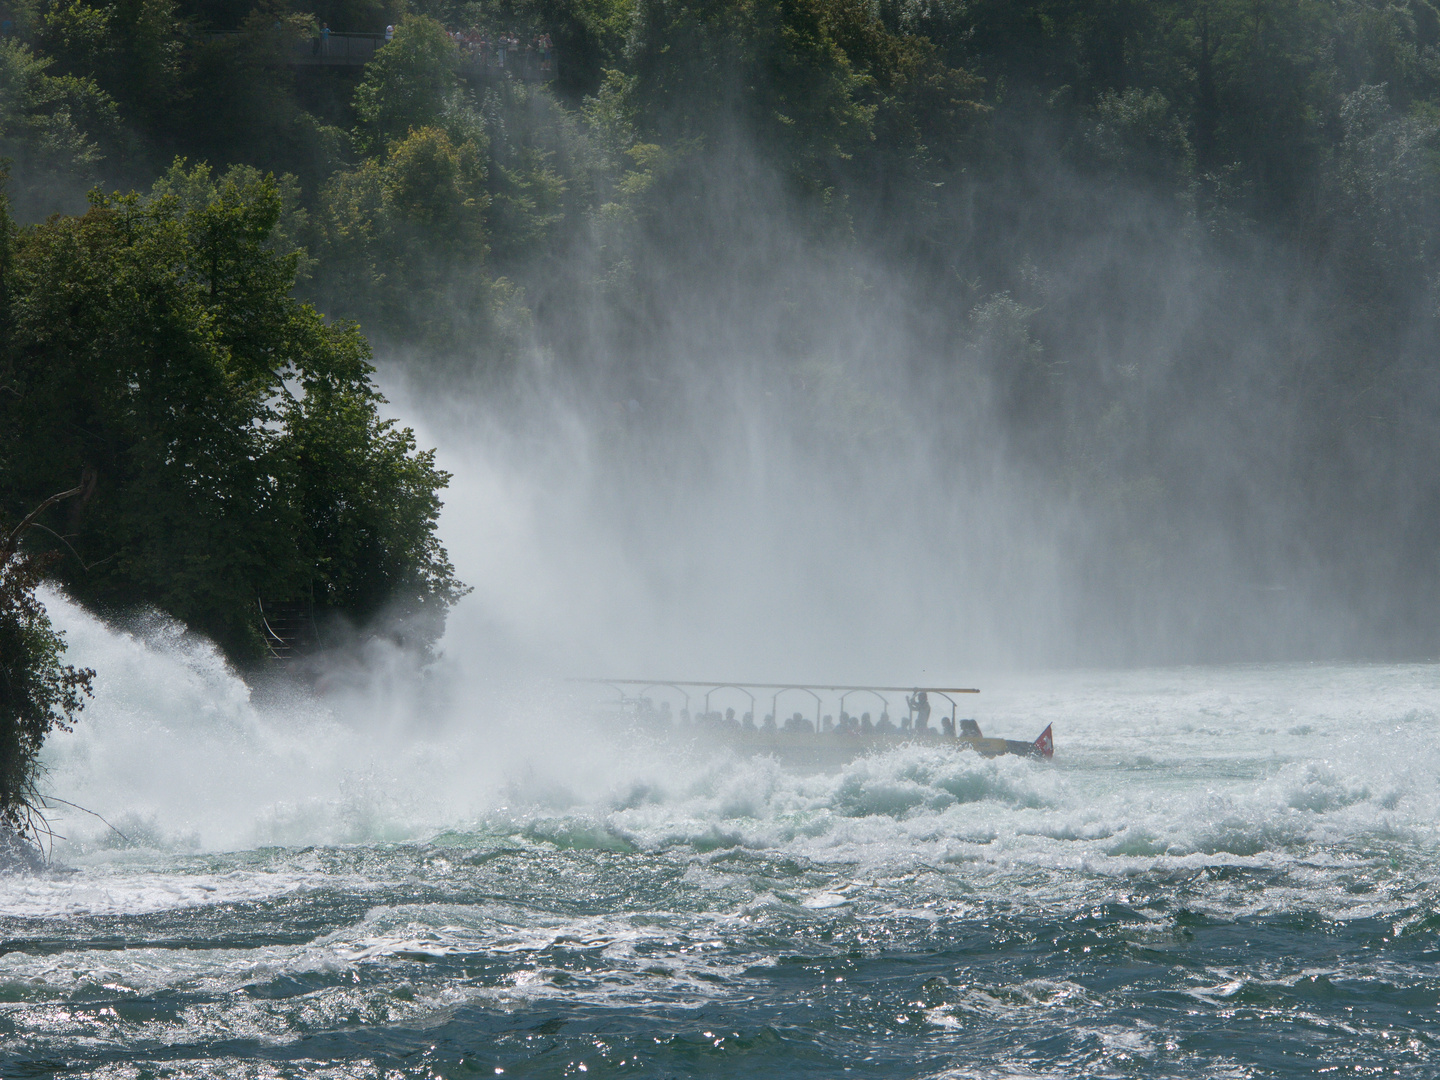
x=77 y=806
x=14 y=538
x=52 y=532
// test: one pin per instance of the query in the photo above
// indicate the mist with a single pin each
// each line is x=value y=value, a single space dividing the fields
x=772 y=452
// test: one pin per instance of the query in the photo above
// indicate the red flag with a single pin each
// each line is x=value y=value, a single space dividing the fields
x=1045 y=744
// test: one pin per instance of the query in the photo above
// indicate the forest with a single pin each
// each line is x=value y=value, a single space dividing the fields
x=1184 y=250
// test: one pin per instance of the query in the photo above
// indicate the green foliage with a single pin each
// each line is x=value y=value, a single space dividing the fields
x=1387 y=170
x=402 y=238
x=369 y=502
x=1002 y=336
x=134 y=50
x=412 y=83
x=1137 y=135
x=153 y=348
x=243 y=102
x=825 y=87
x=401 y=241
x=38 y=693
x=695 y=62
x=49 y=123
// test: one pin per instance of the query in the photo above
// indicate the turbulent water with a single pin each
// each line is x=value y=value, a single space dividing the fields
x=1223 y=872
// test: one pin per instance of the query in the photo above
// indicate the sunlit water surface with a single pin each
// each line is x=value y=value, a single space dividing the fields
x=1224 y=872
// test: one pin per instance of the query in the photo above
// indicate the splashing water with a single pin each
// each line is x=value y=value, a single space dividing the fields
x=1225 y=871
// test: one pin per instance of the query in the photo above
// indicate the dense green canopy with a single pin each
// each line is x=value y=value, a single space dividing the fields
x=227 y=440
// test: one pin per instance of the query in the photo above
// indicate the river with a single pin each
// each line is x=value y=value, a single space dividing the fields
x=1225 y=871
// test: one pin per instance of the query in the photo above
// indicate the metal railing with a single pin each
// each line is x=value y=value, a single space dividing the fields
x=527 y=64
x=337 y=50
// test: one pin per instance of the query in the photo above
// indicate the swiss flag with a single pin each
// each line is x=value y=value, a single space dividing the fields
x=1045 y=744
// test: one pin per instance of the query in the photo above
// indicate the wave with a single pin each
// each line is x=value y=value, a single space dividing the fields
x=1156 y=772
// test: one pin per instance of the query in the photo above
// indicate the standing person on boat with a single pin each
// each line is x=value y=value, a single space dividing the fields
x=919 y=703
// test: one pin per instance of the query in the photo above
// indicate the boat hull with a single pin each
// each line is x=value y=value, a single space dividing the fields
x=831 y=749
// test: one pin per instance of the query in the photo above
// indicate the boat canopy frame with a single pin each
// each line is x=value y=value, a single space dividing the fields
x=730 y=686
x=676 y=684
x=884 y=701
x=813 y=689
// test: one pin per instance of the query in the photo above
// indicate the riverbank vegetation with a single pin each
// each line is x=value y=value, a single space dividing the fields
x=38 y=693
x=227 y=439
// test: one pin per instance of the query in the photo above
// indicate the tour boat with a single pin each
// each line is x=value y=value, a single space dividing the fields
x=822 y=741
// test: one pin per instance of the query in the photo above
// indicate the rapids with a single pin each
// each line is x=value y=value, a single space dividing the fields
x=1226 y=871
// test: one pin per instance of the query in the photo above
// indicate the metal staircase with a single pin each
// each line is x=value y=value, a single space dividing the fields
x=289 y=629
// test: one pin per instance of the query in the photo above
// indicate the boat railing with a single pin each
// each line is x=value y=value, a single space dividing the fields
x=775 y=703
x=816 y=691
x=730 y=686
x=672 y=686
x=950 y=699
x=884 y=701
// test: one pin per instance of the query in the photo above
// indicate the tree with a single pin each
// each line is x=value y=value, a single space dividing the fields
x=230 y=439
x=132 y=48
x=401 y=242
x=412 y=83
x=38 y=693
x=48 y=128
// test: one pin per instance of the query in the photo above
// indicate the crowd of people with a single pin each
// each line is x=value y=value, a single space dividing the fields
x=915 y=722
x=505 y=47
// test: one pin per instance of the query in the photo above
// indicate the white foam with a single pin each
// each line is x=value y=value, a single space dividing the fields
x=1155 y=772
